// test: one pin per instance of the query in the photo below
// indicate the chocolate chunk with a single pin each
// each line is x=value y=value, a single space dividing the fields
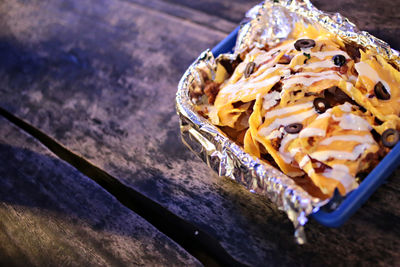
x=296 y=92
x=304 y=43
x=195 y=93
x=277 y=87
x=311 y=140
x=249 y=69
x=211 y=90
x=353 y=52
x=343 y=69
x=238 y=104
x=229 y=64
x=293 y=128
x=336 y=96
x=381 y=92
x=276 y=143
x=285 y=59
x=321 y=104
x=390 y=137
x=319 y=166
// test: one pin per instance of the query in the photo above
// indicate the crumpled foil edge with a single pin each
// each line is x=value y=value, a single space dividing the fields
x=258 y=29
x=224 y=156
x=229 y=160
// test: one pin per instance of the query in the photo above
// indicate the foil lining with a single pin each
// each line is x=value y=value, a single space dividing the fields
x=266 y=23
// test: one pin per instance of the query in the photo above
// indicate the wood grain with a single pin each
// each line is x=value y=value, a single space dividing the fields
x=53 y=215
x=101 y=78
x=380 y=18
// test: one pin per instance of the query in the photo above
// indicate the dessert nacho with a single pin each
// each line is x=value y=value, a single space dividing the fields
x=323 y=111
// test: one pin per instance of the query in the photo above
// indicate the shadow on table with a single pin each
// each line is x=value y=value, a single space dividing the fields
x=47 y=185
x=39 y=184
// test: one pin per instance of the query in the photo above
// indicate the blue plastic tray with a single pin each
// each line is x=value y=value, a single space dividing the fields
x=354 y=199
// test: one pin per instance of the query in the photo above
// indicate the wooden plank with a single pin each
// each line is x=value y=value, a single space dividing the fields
x=53 y=215
x=231 y=10
x=96 y=78
x=186 y=13
x=380 y=18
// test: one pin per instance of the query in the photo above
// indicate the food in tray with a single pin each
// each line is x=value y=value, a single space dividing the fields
x=322 y=111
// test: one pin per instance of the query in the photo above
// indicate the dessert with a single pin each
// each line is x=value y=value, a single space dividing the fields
x=324 y=112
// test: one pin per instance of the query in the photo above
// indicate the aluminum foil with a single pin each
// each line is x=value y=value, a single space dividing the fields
x=266 y=23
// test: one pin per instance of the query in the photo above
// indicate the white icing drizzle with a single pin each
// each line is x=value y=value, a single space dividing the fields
x=348 y=87
x=241 y=67
x=263 y=83
x=294 y=151
x=357 y=138
x=259 y=57
x=340 y=173
x=323 y=55
x=263 y=56
x=261 y=74
x=287 y=157
x=347 y=121
x=364 y=69
x=306 y=50
x=275 y=134
x=327 y=113
x=285 y=72
x=267 y=61
x=307 y=81
x=314 y=74
x=304 y=161
x=340 y=167
x=353 y=122
x=243 y=88
x=286 y=121
x=308 y=132
x=271 y=100
x=315 y=65
x=326 y=154
x=287 y=47
x=282 y=111
x=351 y=79
x=259 y=80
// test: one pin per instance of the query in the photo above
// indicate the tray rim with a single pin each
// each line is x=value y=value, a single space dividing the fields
x=355 y=199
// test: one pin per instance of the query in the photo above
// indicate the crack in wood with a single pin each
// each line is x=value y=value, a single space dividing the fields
x=198 y=243
x=186 y=14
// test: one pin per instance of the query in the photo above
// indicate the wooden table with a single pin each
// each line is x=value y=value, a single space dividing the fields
x=92 y=169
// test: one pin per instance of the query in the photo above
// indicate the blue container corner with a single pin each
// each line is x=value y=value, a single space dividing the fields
x=354 y=200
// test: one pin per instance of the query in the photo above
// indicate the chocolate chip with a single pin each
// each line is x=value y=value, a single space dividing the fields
x=343 y=69
x=335 y=96
x=211 y=90
x=293 y=128
x=390 y=137
x=229 y=64
x=249 y=69
x=381 y=92
x=339 y=60
x=353 y=51
x=311 y=140
x=285 y=59
x=321 y=104
x=304 y=43
x=277 y=87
